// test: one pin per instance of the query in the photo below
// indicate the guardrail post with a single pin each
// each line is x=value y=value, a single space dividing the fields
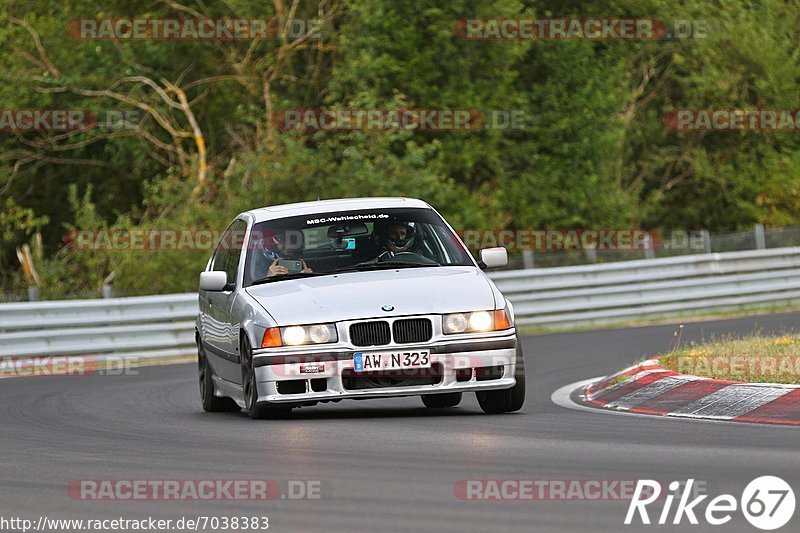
x=527 y=259
x=591 y=252
x=108 y=285
x=761 y=241
x=649 y=252
x=706 y=240
x=33 y=294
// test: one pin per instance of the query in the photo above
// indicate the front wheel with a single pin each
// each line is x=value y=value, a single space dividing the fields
x=439 y=401
x=255 y=409
x=507 y=400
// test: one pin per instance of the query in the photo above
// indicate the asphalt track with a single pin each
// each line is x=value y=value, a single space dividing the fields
x=384 y=465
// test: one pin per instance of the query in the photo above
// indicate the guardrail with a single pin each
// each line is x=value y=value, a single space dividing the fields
x=159 y=326
x=146 y=326
x=651 y=288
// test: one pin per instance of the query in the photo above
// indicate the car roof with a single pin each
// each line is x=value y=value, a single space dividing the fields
x=328 y=206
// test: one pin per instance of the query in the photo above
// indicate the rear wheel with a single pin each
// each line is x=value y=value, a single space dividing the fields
x=438 y=401
x=211 y=403
x=255 y=409
x=508 y=400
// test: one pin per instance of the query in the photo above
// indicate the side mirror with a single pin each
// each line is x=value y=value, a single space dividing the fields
x=214 y=281
x=493 y=257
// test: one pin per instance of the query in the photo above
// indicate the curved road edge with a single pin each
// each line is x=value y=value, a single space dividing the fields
x=647 y=389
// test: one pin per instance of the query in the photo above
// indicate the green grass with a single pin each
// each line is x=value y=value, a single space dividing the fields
x=752 y=358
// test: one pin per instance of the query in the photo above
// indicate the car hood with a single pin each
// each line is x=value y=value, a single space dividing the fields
x=355 y=295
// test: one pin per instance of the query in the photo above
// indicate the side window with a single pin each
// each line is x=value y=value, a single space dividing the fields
x=221 y=253
x=226 y=256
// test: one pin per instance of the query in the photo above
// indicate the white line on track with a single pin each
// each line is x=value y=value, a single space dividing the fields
x=647 y=393
x=731 y=401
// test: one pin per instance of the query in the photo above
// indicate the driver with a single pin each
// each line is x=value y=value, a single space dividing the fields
x=395 y=237
x=281 y=244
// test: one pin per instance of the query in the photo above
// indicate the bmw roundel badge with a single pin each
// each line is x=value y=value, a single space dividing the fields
x=388 y=308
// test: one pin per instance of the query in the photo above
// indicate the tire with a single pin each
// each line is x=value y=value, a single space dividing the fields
x=211 y=403
x=439 y=401
x=507 y=400
x=255 y=409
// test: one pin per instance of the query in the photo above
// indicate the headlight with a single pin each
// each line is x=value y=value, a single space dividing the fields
x=299 y=335
x=480 y=321
x=455 y=323
x=475 y=322
x=322 y=333
x=294 y=335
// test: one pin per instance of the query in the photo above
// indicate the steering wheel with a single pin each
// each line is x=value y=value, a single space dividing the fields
x=406 y=257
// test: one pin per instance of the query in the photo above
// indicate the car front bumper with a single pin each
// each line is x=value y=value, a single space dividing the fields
x=485 y=363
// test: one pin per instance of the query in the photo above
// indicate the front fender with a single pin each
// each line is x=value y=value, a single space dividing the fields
x=252 y=318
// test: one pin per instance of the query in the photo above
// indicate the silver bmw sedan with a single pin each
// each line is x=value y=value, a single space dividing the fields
x=353 y=298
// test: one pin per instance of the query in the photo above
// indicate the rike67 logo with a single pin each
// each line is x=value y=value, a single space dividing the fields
x=767 y=503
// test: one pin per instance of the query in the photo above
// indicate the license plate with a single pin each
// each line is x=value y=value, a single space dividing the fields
x=364 y=362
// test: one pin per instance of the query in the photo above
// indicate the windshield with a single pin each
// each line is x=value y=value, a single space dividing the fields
x=327 y=243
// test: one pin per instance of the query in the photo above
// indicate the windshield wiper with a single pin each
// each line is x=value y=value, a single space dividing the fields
x=384 y=265
x=281 y=277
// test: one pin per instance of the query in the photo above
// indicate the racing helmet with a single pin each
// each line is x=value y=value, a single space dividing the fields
x=395 y=236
